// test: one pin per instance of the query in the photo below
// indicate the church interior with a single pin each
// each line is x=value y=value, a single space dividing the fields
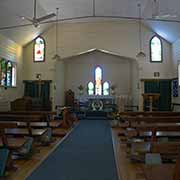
x=90 y=89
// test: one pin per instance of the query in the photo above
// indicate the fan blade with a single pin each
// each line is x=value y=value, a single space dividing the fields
x=49 y=16
x=28 y=19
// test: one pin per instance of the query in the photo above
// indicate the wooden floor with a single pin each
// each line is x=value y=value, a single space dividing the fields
x=127 y=170
x=24 y=167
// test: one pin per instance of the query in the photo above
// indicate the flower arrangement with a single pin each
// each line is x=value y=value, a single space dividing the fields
x=113 y=87
x=81 y=88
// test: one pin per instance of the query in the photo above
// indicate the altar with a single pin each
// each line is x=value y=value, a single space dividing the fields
x=100 y=103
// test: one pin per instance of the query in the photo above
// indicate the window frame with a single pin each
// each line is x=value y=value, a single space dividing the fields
x=34 y=50
x=13 y=64
x=88 y=88
x=7 y=71
x=150 y=49
x=108 y=88
x=98 y=66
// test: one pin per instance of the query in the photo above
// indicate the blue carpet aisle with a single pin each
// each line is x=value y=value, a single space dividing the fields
x=87 y=154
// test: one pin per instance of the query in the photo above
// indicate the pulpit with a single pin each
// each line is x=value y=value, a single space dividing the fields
x=151 y=98
x=69 y=98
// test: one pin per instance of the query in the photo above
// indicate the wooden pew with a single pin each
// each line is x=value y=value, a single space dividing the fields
x=13 y=143
x=19 y=132
x=154 y=119
x=163 y=171
x=22 y=118
x=10 y=142
x=53 y=124
x=158 y=131
x=168 y=150
x=154 y=113
x=68 y=122
x=34 y=119
x=44 y=116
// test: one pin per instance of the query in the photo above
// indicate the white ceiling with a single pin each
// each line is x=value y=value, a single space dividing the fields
x=10 y=10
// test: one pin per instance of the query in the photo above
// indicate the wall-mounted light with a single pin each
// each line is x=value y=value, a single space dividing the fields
x=38 y=76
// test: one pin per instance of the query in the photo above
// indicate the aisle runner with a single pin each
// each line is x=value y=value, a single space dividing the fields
x=87 y=154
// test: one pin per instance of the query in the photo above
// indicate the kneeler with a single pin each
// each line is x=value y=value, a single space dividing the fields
x=4 y=154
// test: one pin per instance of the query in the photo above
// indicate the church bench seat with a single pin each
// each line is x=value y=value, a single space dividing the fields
x=158 y=172
x=20 y=117
x=13 y=143
x=153 y=119
x=147 y=113
x=25 y=132
x=26 y=149
x=153 y=130
x=168 y=150
x=53 y=124
x=59 y=132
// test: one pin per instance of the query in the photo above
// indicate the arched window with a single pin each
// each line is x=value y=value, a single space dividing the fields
x=14 y=75
x=156 y=49
x=39 y=49
x=90 y=88
x=3 y=72
x=98 y=81
x=106 y=89
x=9 y=74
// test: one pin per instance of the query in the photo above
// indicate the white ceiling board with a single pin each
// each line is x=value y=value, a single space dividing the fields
x=69 y=8
x=25 y=34
x=10 y=12
x=11 y=9
x=168 y=30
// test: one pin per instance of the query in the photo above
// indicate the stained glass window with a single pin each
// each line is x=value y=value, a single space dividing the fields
x=39 y=50
x=14 y=75
x=90 y=88
x=98 y=87
x=106 y=89
x=98 y=81
x=7 y=73
x=3 y=72
x=155 y=49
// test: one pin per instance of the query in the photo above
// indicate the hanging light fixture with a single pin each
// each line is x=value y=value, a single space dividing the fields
x=141 y=54
x=57 y=56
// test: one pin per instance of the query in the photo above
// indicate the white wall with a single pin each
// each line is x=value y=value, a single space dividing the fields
x=59 y=86
x=13 y=52
x=117 y=71
x=120 y=37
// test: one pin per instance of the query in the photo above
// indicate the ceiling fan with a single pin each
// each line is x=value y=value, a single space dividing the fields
x=156 y=13
x=37 y=20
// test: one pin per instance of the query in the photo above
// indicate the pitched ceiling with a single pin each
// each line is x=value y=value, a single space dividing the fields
x=10 y=12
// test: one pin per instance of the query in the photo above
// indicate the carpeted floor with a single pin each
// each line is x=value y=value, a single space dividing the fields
x=87 y=154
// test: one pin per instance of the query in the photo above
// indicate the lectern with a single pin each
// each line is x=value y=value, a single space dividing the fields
x=151 y=98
